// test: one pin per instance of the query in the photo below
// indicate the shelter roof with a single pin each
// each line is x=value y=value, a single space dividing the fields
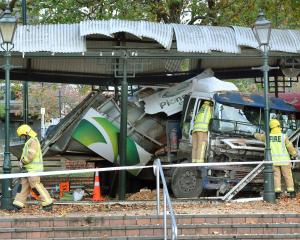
x=71 y=38
x=90 y=51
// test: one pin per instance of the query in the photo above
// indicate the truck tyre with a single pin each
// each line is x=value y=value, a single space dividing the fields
x=186 y=183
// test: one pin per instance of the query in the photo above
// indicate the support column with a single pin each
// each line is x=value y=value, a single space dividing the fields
x=6 y=183
x=123 y=131
x=25 y=83
x=269 y=194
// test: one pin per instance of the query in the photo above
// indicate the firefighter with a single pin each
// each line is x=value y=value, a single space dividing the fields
x=281 y=150
x=200 y=132
x=32 y=161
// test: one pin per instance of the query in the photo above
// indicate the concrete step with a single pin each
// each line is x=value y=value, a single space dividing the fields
x=228 y=237
x=239 y=226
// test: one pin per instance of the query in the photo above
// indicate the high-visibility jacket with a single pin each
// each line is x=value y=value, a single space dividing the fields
x=279 y=151
x=32 y=155
x=202 y=119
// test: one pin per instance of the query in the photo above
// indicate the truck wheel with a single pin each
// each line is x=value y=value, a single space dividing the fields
x=186 y=183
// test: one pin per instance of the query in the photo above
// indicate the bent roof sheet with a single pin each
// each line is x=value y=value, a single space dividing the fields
x=68 y=38
x=162 y=33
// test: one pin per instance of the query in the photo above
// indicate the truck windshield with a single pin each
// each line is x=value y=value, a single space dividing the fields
x=230 y=119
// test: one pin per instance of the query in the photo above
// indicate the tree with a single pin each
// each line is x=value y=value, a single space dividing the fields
x=283 y=14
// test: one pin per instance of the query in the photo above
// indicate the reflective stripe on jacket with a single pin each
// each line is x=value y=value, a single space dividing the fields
x=279 y=151
x=36 y=165
x=202 y=119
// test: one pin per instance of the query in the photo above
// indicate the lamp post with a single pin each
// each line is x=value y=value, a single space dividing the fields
x=8 y=24
x=262 y=32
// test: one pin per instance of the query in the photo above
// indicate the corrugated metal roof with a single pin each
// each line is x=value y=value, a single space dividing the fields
x=222 y=39
x=296 y=36
x=60 y=38
x=68 y=38
x=191 y=38
x=204 y=39
x=245 y=37
x=283 y=41
x=95 y=27
x=162 y=33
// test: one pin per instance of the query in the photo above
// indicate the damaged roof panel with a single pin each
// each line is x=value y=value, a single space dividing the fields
x=191 y=38
x=71 y=38
x=245 y=37
x=222 y=39
x=162 y=33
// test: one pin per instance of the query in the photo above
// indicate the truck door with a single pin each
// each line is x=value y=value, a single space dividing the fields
x=191 y=106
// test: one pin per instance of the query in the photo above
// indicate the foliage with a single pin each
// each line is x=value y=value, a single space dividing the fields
x=246 y=85
x=206 y=12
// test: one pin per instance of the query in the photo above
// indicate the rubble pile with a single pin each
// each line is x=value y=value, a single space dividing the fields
x=144 y=195
x=283 y=205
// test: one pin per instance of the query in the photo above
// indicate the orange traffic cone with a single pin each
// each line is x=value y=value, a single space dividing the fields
x=97 y=191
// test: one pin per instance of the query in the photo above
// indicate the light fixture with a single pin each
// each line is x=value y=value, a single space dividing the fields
x=262 y=29
x=8 y=24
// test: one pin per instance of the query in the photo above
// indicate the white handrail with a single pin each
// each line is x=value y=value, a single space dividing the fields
x=167 y=201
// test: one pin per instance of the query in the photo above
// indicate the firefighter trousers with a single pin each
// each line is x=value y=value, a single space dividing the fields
x=35 y=184
x=199 y=143
x=286 y=171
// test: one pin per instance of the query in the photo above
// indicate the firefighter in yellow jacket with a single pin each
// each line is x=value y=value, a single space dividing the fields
x=281 y=150
x=32 y=161
x=200 y=132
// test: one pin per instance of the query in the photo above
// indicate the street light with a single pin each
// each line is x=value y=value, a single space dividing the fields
x=8 y=24
x=262 y=33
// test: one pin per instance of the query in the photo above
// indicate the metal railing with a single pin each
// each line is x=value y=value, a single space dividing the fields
x=167 y=201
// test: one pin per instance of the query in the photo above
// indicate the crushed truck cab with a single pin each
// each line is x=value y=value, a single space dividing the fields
x=236 y=117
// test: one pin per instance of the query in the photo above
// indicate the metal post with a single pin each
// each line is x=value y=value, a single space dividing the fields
x=165 y=216
x=25 y=83
x=269 y=194
x=59 y=101
x=123 y=131
x=157 y=189
x=6 y=193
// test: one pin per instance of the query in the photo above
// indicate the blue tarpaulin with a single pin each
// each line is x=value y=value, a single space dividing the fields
x=252 y=100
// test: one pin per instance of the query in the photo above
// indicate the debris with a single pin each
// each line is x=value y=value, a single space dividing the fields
x=78 y=194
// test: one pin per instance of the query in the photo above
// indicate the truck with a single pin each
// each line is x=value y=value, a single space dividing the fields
x=236 y=117
x=91 y=130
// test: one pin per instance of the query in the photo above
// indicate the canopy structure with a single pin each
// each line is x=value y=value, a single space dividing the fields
x=253 y=100
x=89 y=52
x=119 y=52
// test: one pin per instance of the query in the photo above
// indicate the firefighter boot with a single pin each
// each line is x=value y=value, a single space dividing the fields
x=48 y=208
x=277 y=195
x=292 y=194
x=16 y=208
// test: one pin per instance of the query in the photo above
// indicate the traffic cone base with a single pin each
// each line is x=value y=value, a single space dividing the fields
x=97 y=190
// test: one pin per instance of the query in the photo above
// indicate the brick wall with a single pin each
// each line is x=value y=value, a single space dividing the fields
x=86 y=179
x=252 y=226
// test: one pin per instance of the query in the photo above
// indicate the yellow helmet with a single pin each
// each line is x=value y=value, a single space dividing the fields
x=26 y=130
x=274 y=123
